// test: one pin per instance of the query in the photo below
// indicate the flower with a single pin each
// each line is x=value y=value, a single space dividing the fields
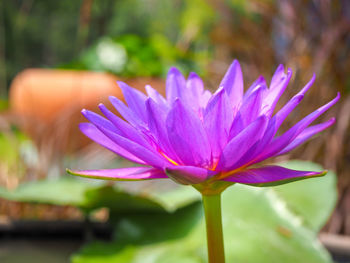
x=195 y=137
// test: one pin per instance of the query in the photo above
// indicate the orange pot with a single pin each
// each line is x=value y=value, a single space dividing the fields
x=48 y=102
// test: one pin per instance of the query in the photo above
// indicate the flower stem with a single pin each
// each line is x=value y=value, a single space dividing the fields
x=215 y=241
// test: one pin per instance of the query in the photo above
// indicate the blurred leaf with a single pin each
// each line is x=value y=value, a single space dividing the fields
x=313 y=200
x=258 y=227
x=131 y=55
x=13 y=147
x=92 y=194
x=62 y=191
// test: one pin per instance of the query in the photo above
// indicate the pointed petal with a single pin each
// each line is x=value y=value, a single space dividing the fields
x=175 y=85
x=135 y=100
x=99 y=120
x=277 y=76
x=203 y=100
x=258 y=147
x=188 y=174
x=96 y=135
x=218 y=117
x=156 y=122
x=240 y=144
x=282 y=114
x=129 y=115
x=270 y=175
x=121 y=174
x=307 y=134
x=195 y=88
x=279 y=143
x=151 y=157
x=187 y=136
x=233 y=83
x=195 y=84
x=158 y=98
x=278 y=84
x=252 y=105
x=126 y=130
x=257 y=83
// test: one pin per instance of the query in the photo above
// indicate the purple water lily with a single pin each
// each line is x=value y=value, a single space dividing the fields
x=210 y=141
x=193 y=136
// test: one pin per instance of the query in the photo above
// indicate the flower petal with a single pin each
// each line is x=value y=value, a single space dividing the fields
x=121 y=174
x=240 y=144
x=218 y=117
x=195 y=85
x=270 y=175
x=307 y=134
x=135 y=100
x=175 y=85
x=129 y=115
x=156 y=122
x=187 y=136
x=96 y=135
x=252 y=105
x=99 y=120
x=188 y=174
x=278 y=84
x=256 y=84
x=126 y=130
x=282 y=141
x=203 y=100
x=233 y=83
x=156 y=96
x=282 y=114
x=151 y=157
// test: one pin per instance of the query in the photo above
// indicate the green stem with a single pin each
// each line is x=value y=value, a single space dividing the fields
x=212 y=211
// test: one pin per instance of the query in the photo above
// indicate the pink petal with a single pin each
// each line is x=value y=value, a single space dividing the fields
x=187 y=136
x=175 y=85
x=218 y=117
x=121 y=174
x=307 y=134
x=240 y=144
x=135 y=100
x=188 y=174
x=270 y=175
x=96 y=135
x=233 y=83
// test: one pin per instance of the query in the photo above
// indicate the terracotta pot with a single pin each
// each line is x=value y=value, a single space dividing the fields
x=47 y=102
x=44 y=94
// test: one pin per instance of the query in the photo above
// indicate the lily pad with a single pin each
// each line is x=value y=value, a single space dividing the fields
x=260 y=225
x=91 y=194
x=312 y=200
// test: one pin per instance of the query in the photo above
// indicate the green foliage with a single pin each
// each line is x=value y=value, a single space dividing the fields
x=89 y=194
x=312 y=200
x=260 y=225
x=131 y=55
x=15 y=148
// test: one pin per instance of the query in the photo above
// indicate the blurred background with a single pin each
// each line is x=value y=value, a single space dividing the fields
x=57 y=57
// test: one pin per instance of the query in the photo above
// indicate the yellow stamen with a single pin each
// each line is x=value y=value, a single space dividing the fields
x=166 y=157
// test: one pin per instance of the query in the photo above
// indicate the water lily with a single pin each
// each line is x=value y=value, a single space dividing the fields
x=207 y=140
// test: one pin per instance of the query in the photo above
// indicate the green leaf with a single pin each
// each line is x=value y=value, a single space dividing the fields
x=91 y=194
x=312 y=200
x=260 y=225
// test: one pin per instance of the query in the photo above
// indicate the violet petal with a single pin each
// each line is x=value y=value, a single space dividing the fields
x=187 y=136
x=233 y=83
x=96 y=135
x=240 y=144
x=188 y=174
x=270 y=175
x=121 y=174
x=307 y=134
